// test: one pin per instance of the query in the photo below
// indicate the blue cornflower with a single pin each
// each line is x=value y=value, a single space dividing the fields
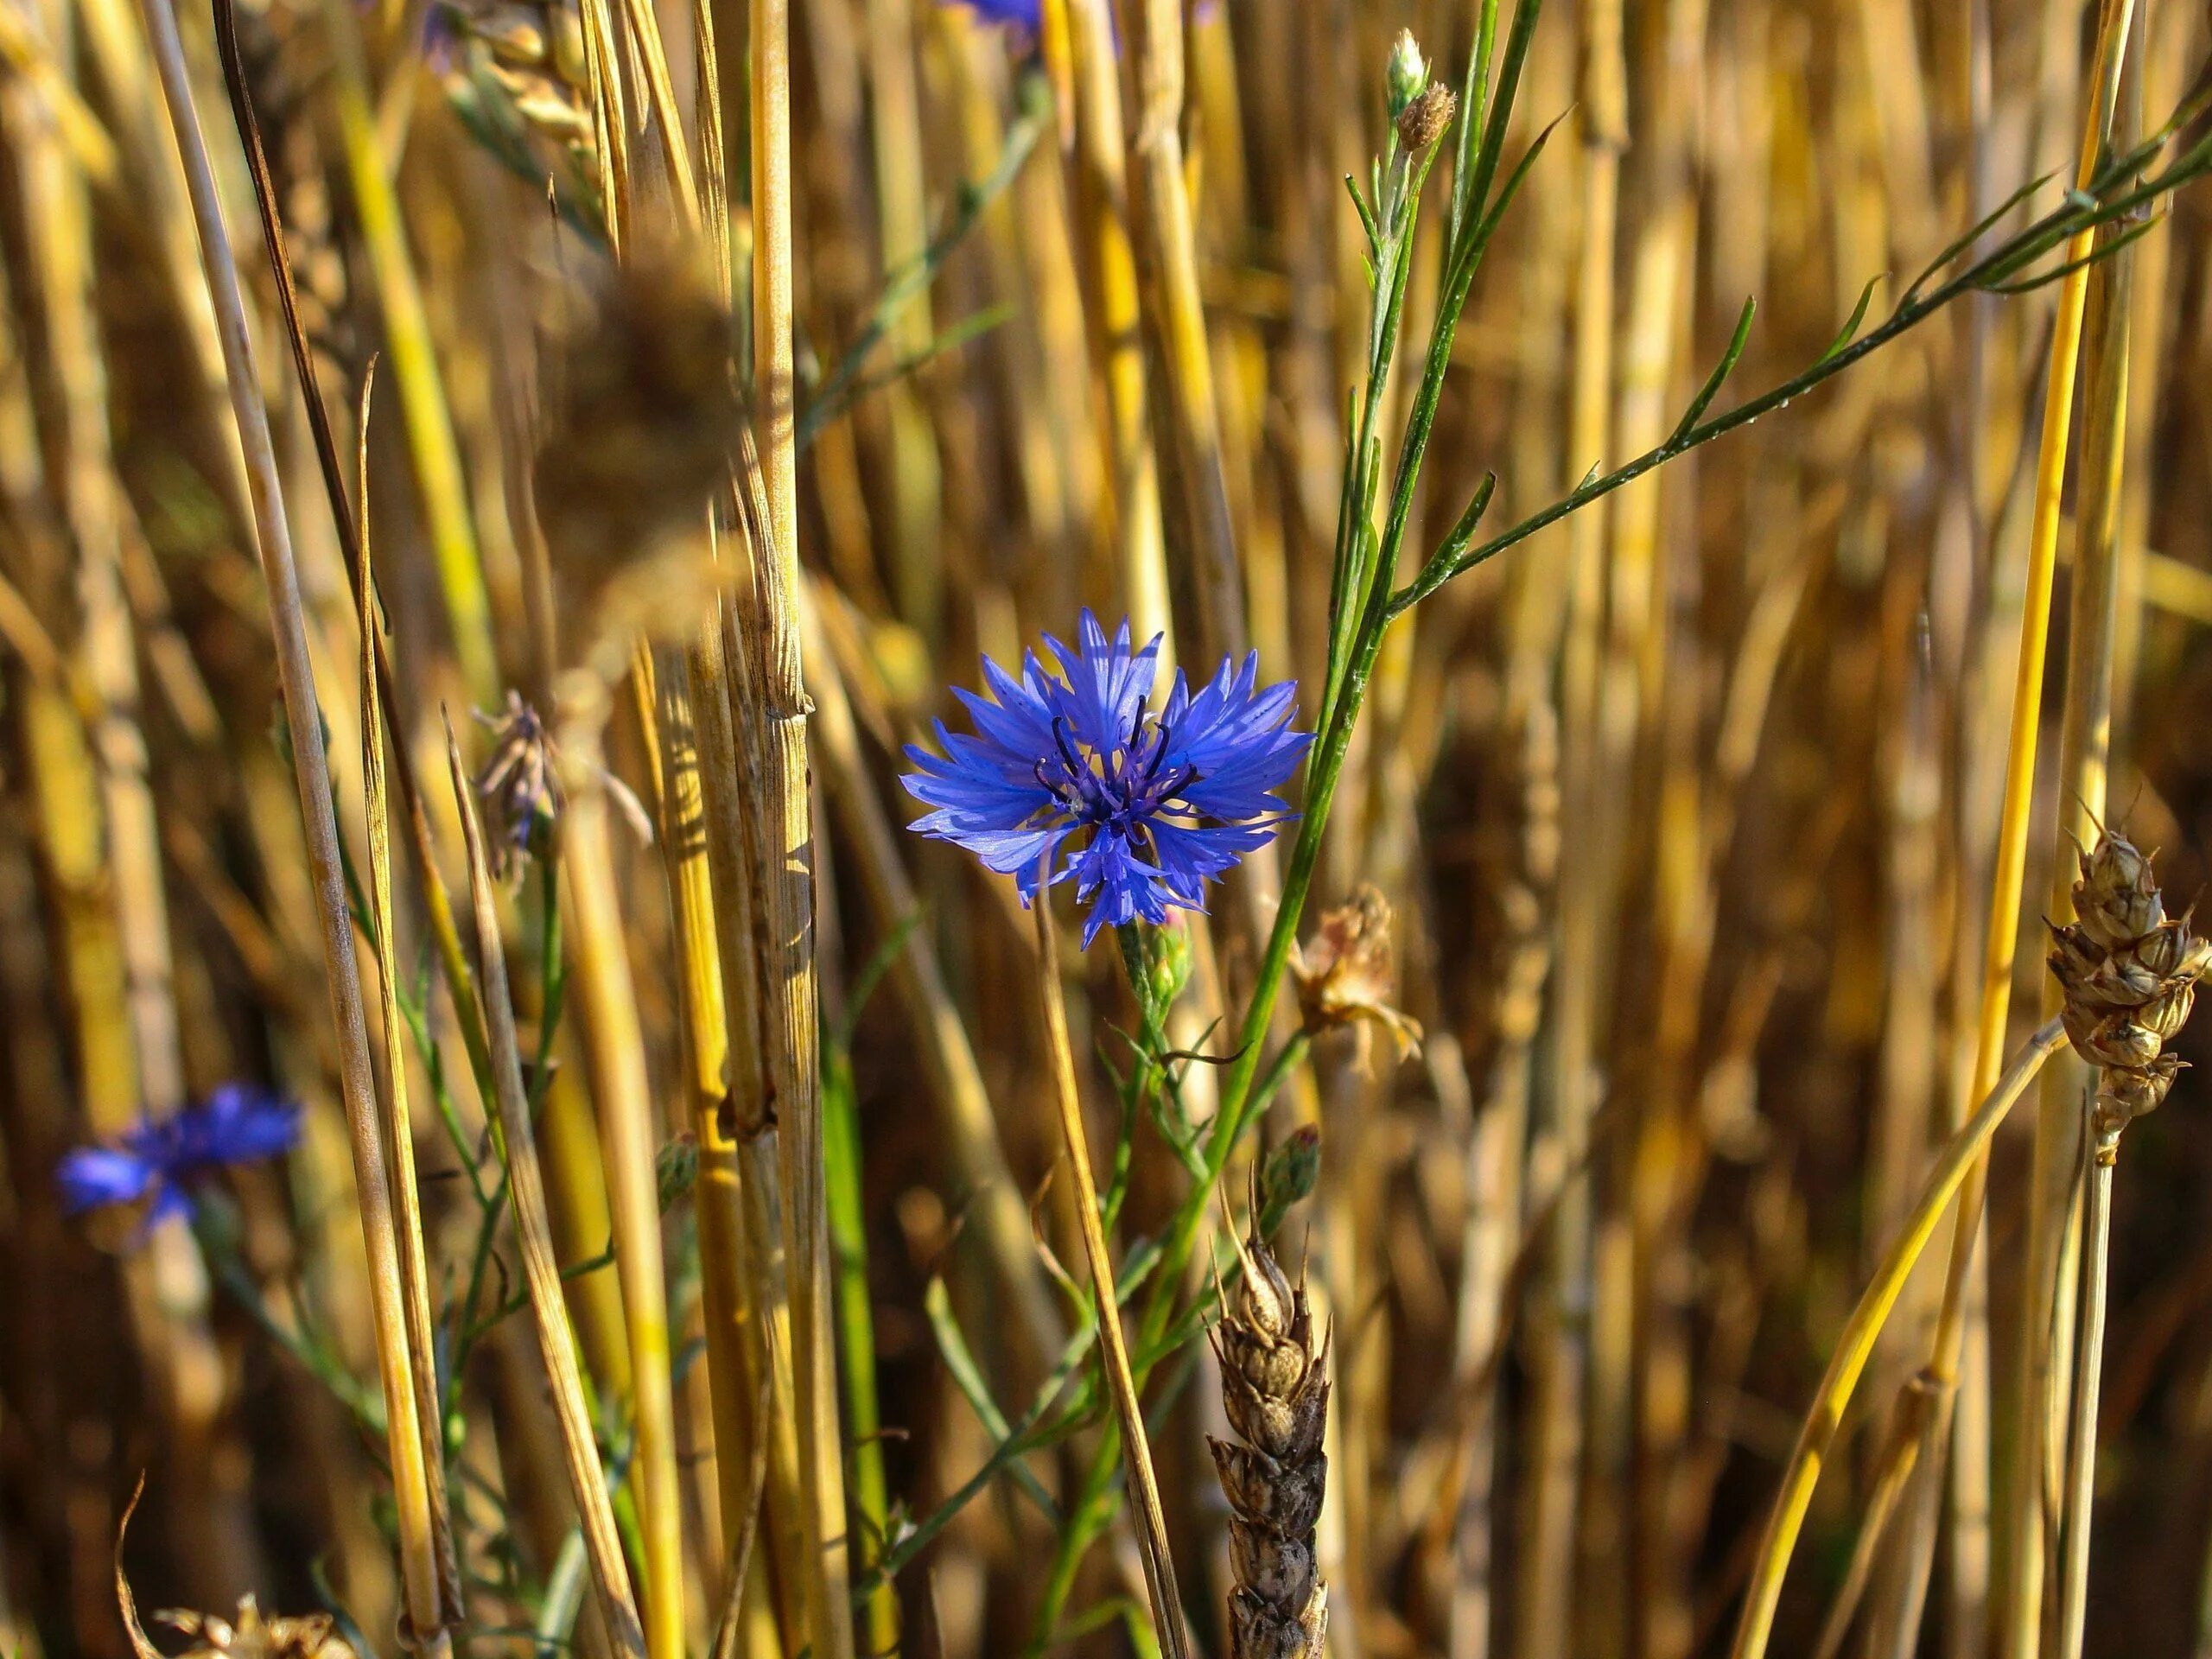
x=1149 y=806
x=166 y=1158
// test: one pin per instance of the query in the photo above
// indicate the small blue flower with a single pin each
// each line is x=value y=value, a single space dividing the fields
x=165 y=1159
x=1148 y=806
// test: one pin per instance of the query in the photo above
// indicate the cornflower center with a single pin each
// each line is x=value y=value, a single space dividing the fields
x=1122 y=786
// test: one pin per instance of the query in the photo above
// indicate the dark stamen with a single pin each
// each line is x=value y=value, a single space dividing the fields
x=1061 y=742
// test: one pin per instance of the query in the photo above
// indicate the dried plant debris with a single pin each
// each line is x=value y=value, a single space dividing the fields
x=1344 y=977
x=253 y=1636
x=1275 y=1388
x=2129 y=972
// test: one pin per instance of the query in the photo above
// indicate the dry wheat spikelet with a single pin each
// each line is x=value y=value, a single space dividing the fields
x=1275 y=1388
x=2129 y=972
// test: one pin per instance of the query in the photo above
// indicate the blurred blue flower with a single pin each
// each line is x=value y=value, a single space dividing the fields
x=165 y=1159
x=1025 y=15
x=1150 y=807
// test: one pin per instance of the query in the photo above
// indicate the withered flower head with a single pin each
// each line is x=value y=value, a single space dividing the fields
x=1344 y=977
x=521 y=789
x=520 y=785
x=1422 y=121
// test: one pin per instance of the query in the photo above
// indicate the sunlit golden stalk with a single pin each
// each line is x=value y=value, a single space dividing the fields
x=1924 y=1505
x=423 y=412
x=2041 y=1398
x=1195 y=495
x=2170 y=55
x=610 y=121
x=778 y=713
x=644 y=37
x=1128 y=1410
x=78 y=446
x=117 y=40
x=706 y=1062
x=1545 y=1621
x=541 y=1269
x=1856 y=1342
x=1628 y=821
x=615 y=1056
x=1096 y=177
x=2080 y=1495
x=427 y=1619
x=64 y=788
x=735 y=1389
x=311 y=775
x=902 y=226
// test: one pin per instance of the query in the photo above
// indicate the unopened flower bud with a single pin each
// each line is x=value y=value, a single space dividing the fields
x=1406 y=76
x=1169 y=965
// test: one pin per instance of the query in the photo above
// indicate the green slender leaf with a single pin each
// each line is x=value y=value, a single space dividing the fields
x=1729 y=359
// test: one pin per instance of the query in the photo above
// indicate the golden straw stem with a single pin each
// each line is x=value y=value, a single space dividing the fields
x=2010 y=867
x=2082 y=1463
x=615 y=1056
x=1952 y=1169
x=759 y=1276
x=423 y=408
x=1546 y=1574
x=2084 y=750
x=1128 y=1409
x=427 y=1561
x=556 y=1342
